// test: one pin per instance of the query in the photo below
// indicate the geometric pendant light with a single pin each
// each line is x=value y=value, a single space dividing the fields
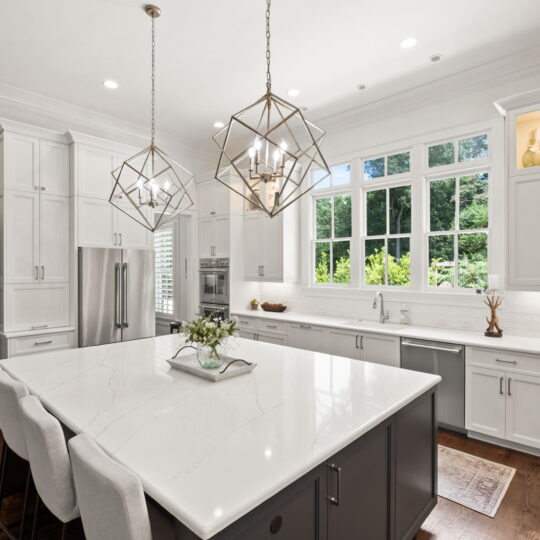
x=151 y=187
x=269 y=150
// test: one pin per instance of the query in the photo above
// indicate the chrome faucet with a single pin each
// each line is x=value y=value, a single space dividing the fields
x=382 y=315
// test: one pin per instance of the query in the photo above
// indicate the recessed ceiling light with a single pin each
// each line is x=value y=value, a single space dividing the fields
x=293 y=92
x=435 y=57
x=361 y=86
x=219 y=125
x=112 y=85
x=408 y=43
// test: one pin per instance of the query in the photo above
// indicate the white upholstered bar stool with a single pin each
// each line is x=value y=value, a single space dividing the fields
x=10 y=424
x=49 y=461
x=111 y=497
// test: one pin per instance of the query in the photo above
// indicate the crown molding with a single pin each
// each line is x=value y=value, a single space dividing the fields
x=31 y=131
x=523 y=99
x=506 y=69
x=26 y=107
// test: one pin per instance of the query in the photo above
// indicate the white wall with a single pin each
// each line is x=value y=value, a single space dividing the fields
x=401 y=122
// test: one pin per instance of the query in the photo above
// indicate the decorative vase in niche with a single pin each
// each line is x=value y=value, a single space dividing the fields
x=531 y=157
x=211 y=357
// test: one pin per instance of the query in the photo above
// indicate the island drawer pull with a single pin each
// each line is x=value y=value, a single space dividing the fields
x=38 y=326
x=337 y=470
x=307 y=326
x=505 y=361
x=48 y=342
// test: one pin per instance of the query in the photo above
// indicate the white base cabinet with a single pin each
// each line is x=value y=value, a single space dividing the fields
x=23 y=343
x=503 y=395
x=306 y=336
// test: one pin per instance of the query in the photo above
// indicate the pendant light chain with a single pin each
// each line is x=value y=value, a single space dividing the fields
x=268 y=76
x=153 y=80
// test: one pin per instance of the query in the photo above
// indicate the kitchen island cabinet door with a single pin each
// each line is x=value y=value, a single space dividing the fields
x=359 y=488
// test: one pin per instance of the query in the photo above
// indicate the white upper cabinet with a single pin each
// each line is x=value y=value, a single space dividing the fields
x=93 y=168
x=54 y=168
x=97 y=223
x=21 y=161
x=214 y=236
x=271 y=246
x=131 y=234
x=21 y=237
x=53 y=238
x=212 y=199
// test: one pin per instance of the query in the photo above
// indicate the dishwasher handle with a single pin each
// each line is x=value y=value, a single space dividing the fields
x=453 y=350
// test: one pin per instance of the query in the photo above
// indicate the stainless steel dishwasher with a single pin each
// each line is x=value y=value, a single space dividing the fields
x=448 y=361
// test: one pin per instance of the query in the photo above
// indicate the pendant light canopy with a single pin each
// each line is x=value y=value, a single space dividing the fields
x=269 y=150
x=151 y=187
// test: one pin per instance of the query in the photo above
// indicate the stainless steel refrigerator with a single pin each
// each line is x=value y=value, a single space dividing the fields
x=116 y=295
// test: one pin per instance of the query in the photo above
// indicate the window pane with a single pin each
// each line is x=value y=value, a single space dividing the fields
x=441 y=154
x=322 y=262
x=317 y=176
x=473 y=201
x=342 y=216
x=400 y=210
x=164 y=270
x=441 y=261
x=342 y=262
x=374 y=262
x=473 y=267
x=374 y=168
x=324 y=217
x=341 y=175
x=376 y=212
x=442 y=197
x=399 y=163
x=399 y=261
x=473 y=148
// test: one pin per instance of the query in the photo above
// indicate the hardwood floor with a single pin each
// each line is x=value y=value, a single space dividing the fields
x=517 y=518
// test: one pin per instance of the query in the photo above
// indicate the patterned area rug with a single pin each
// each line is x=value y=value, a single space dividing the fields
x=472 y=481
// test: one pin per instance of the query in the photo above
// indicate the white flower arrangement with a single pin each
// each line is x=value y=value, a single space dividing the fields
x=208 y=332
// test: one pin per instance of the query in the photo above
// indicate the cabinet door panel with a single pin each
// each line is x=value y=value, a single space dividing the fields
x=22 y=157
x=131 y=233
x=305 y=336
x=206 y=236
x=485 y=401
x=221 y=198
x=273 y=248
x=54 y=168
x=31 y=307
x=253 y=247
x=21 y=237
x=272 y=338
x=524 y=218
x=205 y=196
x=379 y=349
x=94 y=171
x=364 y=498
x=97 y=223
x=343 y=343
x=246 y=335
x=221 y=236
x=522 y=406
x=54 y=238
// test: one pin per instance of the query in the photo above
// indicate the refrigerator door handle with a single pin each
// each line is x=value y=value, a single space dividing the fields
x=117 y=304
x=124 y=295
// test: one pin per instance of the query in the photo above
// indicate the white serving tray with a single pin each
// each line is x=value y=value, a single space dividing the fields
x=189 y=364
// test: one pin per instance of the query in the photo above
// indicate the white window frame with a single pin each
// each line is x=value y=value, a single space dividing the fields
x=387 y=178
x=160 y=315
x=387 y=236
x=457 y=174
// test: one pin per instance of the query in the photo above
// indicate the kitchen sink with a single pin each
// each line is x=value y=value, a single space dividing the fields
x=387 y=327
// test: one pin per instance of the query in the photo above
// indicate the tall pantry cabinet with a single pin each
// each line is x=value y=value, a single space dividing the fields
x=35 y=240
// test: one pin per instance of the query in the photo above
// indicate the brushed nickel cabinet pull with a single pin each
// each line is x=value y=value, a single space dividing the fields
x=362 y=342
x=36 y=272
x=336 y=500
x=120 y=235
x=37 y=327
x=356 y=339
x=115 y=241
x=306 y=326
x=501 y=391
x=509 y=389
x=42 y=272
x=505 y=361
x=43 y=188
x=271 y=326
x=43 y=342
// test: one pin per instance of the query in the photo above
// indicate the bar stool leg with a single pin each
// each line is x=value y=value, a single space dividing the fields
x=3 y=471
x=36 y=513
x=25 y=504
x=64 y=529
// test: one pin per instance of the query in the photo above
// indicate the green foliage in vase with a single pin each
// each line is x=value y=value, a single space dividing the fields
x=208 y=332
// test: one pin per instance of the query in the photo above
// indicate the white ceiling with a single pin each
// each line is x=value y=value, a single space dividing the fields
x=210 y=54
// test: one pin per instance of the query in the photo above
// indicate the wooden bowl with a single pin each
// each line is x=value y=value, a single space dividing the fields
x=276 y=308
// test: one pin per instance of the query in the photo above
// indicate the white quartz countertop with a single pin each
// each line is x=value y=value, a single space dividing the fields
x=211 y=452
x=477 y=339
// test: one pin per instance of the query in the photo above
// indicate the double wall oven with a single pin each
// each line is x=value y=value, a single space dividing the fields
x=214 y=287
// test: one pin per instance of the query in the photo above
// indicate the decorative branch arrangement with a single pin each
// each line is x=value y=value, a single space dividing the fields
x=494 y=303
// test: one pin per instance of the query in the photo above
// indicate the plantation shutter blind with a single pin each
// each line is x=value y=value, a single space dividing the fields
x=164 y=270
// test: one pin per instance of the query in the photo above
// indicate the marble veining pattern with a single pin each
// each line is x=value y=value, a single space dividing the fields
x=210 y=452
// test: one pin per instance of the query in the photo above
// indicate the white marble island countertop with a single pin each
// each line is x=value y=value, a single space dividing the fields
x=211 y=452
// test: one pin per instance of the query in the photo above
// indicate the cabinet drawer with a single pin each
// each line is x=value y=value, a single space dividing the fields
x=276 y=327
x=40 y=343
x=247 y=322
x=505 y=360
